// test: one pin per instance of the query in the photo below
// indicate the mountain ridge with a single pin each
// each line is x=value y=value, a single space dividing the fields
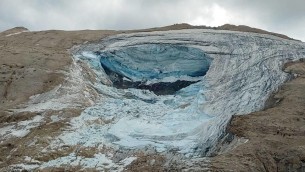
x=179 y=26
x=231 y=27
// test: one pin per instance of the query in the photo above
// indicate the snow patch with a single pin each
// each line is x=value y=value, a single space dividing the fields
x=55 y=118
x=99 y=162
x=22 y=128
x=17 y=33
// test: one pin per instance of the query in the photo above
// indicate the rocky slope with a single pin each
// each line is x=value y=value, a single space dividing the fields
x=59 y=111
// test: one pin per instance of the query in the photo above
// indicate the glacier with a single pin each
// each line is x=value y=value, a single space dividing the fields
x=227 y=73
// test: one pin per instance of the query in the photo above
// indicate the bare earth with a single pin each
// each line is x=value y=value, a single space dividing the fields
x=35 y=62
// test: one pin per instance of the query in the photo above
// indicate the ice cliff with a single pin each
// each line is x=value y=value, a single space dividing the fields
x=217 y=74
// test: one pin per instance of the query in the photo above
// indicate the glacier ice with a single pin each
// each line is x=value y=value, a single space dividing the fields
x=156 y=61
x=232 y=73
x=161 y=68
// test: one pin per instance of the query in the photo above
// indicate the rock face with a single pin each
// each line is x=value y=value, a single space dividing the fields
x=138 y=100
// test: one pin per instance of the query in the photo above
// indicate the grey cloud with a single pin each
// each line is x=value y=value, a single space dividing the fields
x=284 y=16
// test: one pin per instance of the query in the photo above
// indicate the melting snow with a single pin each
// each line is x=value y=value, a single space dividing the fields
x=98 y=162
x=17 y=33
x=140 y=118
x=20 y=129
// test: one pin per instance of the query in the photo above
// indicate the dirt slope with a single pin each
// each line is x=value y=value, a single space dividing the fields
x=34 y=62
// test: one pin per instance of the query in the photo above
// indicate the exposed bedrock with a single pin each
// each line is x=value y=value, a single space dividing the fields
x=217 y=74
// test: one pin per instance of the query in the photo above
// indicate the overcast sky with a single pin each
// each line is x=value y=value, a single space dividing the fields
x=282 y=16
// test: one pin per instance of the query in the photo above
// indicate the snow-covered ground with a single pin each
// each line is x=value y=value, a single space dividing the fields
x=20 y=129
x=138 y=118
x=17 y=33
x=99 y=162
